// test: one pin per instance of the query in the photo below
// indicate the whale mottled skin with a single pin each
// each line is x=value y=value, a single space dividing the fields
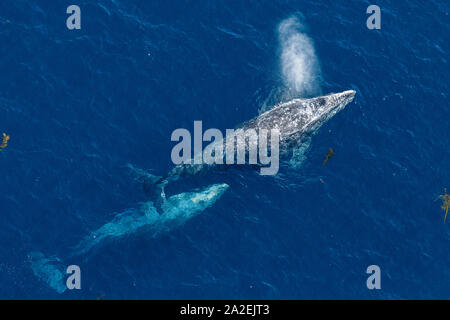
x=295 y=120
x=299 y=116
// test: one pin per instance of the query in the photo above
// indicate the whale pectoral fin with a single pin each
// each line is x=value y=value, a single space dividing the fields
x=299 y=153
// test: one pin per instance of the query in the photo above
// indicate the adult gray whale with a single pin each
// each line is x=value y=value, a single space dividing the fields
x=295 y=120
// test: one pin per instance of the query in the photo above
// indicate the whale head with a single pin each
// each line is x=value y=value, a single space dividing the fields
x=299 y=116
x=186 y=205
x=317 y=111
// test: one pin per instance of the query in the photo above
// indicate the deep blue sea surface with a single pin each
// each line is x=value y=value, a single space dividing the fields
x=80 y=105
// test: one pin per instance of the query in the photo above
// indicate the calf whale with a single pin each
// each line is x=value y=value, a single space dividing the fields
x=295 y=120
x=177 y=210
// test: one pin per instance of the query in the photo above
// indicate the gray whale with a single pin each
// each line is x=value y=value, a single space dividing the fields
x=295 y=120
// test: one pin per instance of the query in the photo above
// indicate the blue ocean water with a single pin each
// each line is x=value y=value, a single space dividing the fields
x=80 y=105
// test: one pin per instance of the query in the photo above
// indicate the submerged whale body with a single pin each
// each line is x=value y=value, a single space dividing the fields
x=176 y=211
x=296 y=120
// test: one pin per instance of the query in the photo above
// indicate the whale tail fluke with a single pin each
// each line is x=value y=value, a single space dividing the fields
x=49 y=270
